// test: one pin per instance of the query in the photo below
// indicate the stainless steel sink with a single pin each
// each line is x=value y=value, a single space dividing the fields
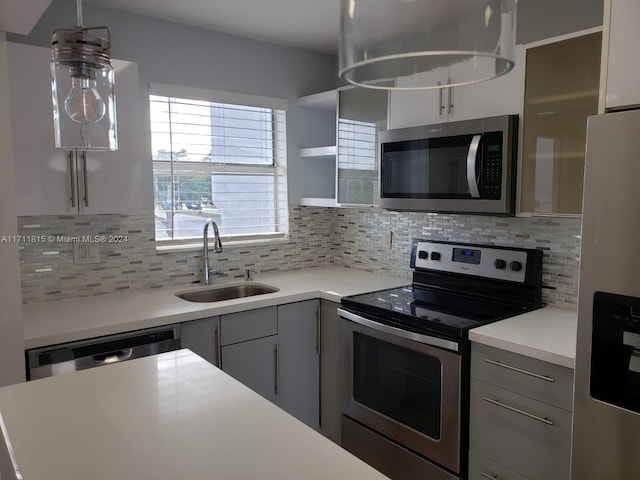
x=226 y=292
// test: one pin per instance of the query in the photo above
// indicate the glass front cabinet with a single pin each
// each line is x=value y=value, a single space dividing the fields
x=561 y=90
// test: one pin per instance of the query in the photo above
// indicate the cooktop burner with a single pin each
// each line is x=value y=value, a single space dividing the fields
x=426 y=310
x=457 y=287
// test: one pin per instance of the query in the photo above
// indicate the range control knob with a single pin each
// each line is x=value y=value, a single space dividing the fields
x=499 y=263
x=423 y=255
x=435 y=256
x=515 y=266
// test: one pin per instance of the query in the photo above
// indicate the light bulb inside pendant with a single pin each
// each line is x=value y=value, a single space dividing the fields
x=82 y=87
x=84 y=104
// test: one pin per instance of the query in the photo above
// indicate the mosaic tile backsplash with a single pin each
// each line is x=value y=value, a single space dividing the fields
x=350 y=237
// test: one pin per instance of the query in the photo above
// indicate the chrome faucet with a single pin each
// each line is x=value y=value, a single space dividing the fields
x=217 y=248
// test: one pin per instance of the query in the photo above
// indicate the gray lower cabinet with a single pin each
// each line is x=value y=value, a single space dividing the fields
x=520 y=417
x=254 y=363
x=202 y=337
x=331 y=368
x=275 y=351
x=299 y=360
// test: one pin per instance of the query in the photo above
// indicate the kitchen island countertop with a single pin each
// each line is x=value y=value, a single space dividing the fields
x=168 y=416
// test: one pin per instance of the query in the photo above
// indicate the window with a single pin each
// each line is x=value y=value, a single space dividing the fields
x=217 y=155
x=357 y=167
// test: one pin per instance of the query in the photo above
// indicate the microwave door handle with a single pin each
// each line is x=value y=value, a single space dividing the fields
x=471 y=166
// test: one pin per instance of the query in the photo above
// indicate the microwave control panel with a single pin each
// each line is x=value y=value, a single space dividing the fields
x=491 y=180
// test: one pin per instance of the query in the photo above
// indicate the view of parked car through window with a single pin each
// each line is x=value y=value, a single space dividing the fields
x=217 y=160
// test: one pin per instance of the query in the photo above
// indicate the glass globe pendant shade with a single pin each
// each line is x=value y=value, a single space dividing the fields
x=415 y=44
x=82 y=88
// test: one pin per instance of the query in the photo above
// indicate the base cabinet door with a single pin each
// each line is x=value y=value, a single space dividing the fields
x=331 y=368
x=274 y=350
x=255 y=364
x=519 y=416
x=202 y=337
x=481 y=468
x=299 y=360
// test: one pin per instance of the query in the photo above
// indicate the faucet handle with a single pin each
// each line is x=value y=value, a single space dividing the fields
x=218 y=273
x=248 y=275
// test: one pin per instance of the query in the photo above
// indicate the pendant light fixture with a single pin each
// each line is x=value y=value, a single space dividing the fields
x=420 y=44
x=82 y=87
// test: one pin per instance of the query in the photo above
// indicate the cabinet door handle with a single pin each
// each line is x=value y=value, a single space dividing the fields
x=72 y=176
x=450 y=98
x=490 y=476
x=518 y=411
x=216 y=335
x=497 y=363
x=318 y=331
x=276 y=358
x=440 y=100
x=84 y=179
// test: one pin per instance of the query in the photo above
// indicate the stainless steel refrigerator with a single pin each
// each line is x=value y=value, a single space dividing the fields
x=606 y=421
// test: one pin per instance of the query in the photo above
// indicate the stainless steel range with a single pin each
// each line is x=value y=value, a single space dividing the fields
x=406 y=409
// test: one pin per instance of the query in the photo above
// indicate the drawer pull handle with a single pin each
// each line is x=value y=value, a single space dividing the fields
x=546 y=378
x=517 y=410
x=490 y=476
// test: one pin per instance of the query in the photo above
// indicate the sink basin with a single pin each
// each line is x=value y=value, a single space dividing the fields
x=226 y=292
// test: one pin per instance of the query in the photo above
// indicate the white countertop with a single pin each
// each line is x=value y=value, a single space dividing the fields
x=50 y=323
x=548 y=334
x=170 y=416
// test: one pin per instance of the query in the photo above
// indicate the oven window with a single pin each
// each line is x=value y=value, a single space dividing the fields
x=400 y=383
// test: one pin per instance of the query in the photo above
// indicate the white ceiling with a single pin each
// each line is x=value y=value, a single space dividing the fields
x=311 y=24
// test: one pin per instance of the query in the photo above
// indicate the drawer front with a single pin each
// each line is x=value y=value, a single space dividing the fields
x=530 y=377
x=523 y=434
x=481 y=468
x=248 y=325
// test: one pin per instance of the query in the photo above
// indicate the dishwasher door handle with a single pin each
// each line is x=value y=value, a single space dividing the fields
x=112 y=357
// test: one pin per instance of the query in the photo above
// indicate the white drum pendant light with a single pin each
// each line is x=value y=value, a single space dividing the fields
x=419 y=44
x=82 y=87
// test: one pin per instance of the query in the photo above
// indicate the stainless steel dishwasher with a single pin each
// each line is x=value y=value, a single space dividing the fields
x=95 y=352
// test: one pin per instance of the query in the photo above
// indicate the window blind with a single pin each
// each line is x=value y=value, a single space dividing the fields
x=220 y=160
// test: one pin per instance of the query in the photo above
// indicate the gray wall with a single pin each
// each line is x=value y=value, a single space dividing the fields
x=172 y=53
x=540 y=19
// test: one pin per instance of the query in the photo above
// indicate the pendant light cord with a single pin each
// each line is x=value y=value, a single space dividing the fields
x=79 y=12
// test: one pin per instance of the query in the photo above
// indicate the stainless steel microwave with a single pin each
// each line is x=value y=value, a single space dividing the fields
x=459 y=167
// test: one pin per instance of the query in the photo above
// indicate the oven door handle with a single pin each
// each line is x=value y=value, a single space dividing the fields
x=398 y=332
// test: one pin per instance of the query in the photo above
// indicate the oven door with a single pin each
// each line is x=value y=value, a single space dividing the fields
x=405 y=386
